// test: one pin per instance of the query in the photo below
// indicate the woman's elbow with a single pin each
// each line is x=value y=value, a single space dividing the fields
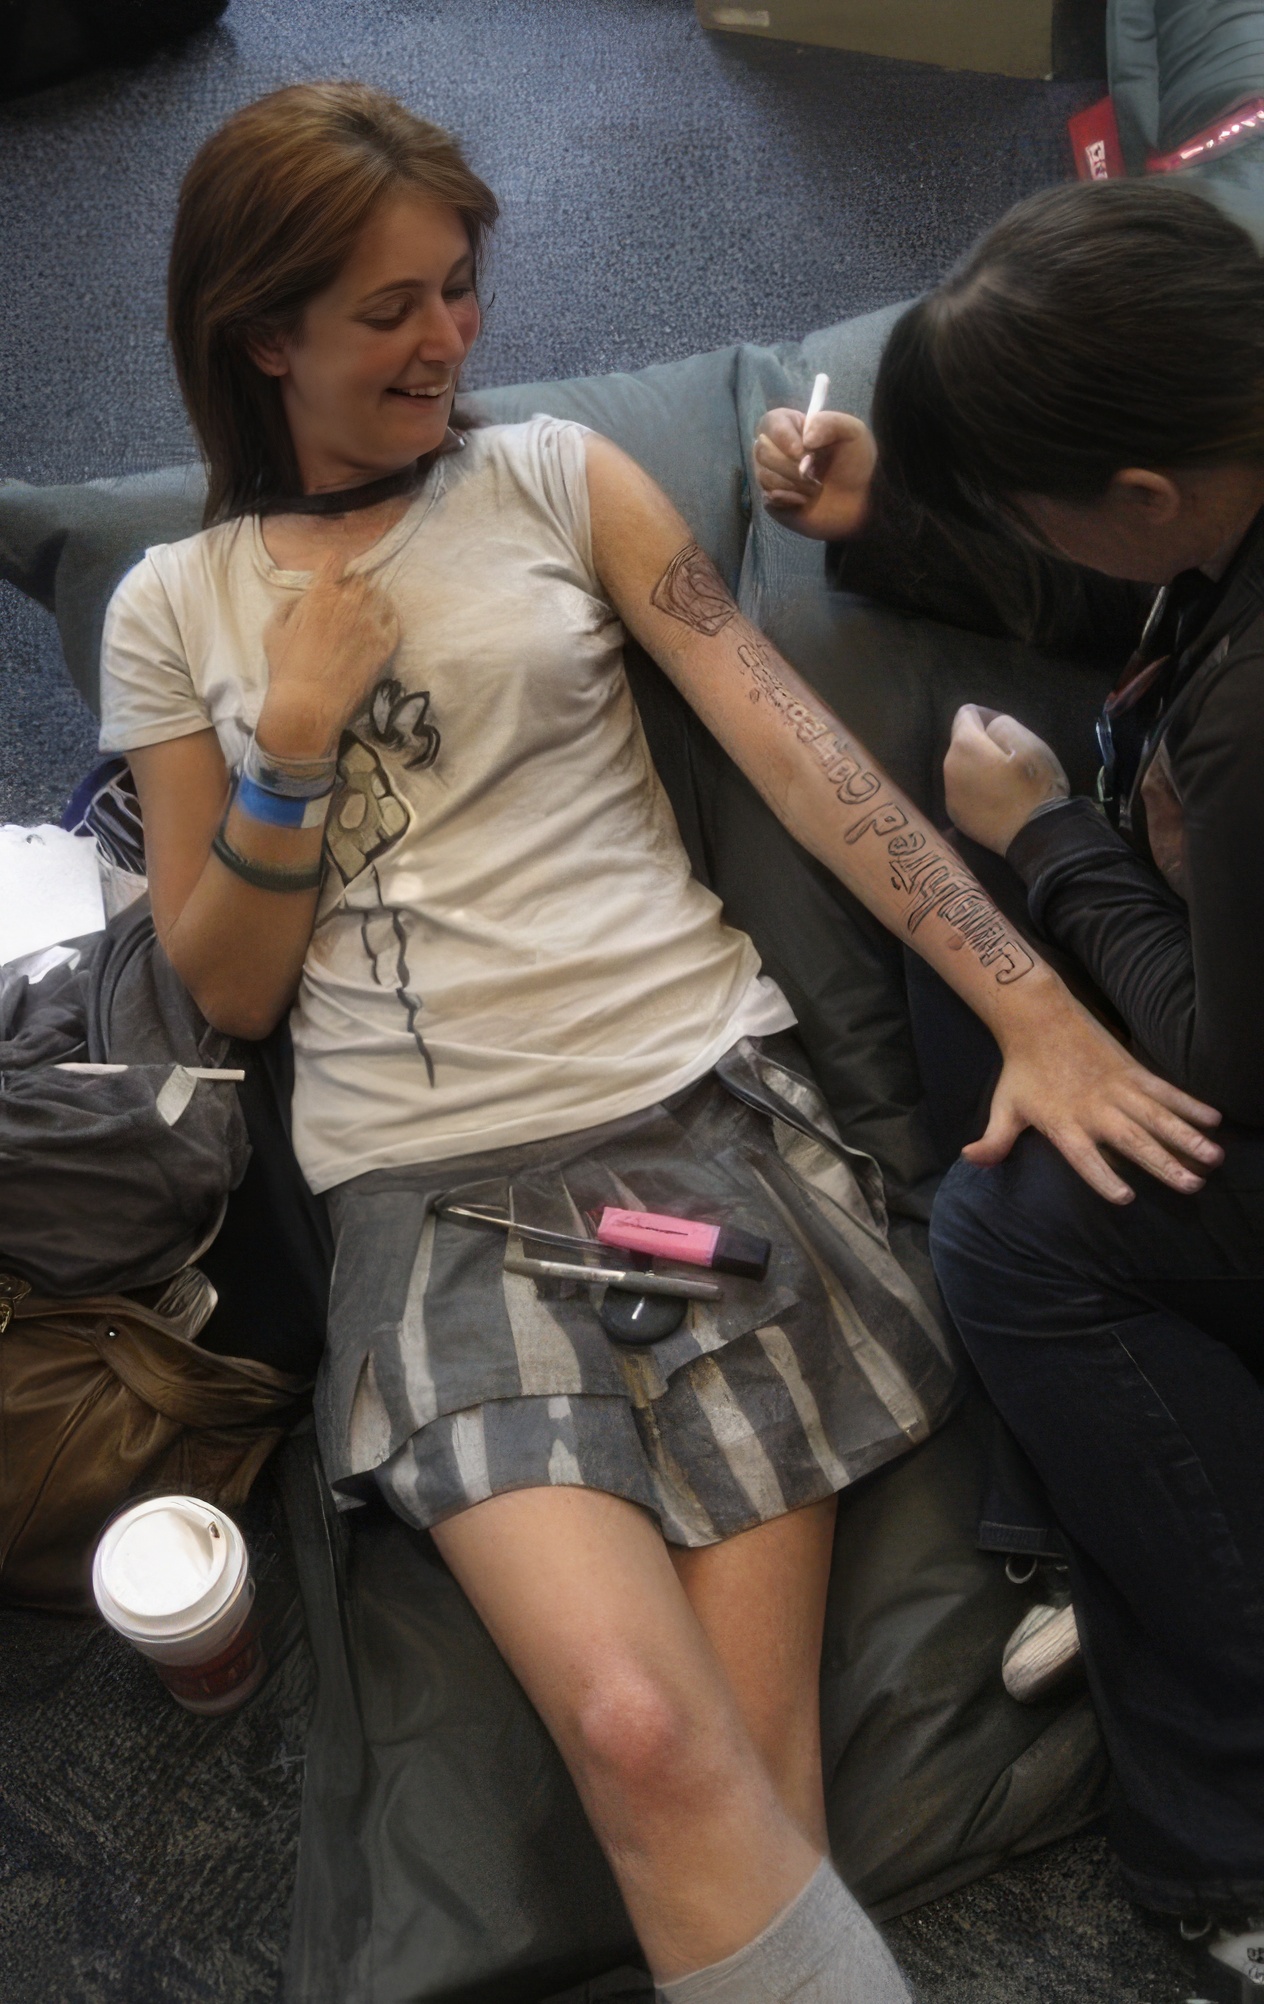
x=250 y=1025
x=234 y=1014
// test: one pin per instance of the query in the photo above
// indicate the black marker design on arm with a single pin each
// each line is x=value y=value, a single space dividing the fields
x=930 y=874
x=692 y=590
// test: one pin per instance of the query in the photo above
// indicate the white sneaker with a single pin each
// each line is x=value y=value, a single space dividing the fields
x=1243 y=1953
x=1043 y=1649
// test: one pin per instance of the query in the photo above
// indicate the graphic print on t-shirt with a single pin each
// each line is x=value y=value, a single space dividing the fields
x=368 y=818
x=397 y=721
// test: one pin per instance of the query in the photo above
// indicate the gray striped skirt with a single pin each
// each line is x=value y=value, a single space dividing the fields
x=448 y=1380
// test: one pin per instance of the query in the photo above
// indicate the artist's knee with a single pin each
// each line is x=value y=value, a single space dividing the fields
x=640 y=1736
x=1010 y=1223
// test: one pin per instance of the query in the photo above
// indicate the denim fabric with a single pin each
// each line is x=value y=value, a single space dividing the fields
x=1146 y=1428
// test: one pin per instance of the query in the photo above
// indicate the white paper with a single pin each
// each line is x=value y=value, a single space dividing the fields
x=50 y=889
x=119 y=888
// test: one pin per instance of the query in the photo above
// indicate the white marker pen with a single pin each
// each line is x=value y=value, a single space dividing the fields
x=194 y=1071
x=816 y=404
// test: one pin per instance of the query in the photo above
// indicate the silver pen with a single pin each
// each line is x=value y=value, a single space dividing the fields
x=626 y=1278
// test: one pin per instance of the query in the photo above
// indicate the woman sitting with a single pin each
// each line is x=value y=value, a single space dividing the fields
x=1093 y=377
x=394 y=783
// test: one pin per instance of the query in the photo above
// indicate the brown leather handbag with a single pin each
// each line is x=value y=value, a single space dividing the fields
x=101 y=1400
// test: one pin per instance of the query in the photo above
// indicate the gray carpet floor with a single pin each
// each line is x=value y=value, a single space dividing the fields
x=664 y=191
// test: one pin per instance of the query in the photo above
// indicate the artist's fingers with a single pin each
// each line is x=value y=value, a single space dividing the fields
x=783 y=431
x=832 y=428
x=1015 y=738
x=969 y=729
x=774 y=463
x=1005 y=731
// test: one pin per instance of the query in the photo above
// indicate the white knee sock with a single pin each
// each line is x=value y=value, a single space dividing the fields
x=821 y=1949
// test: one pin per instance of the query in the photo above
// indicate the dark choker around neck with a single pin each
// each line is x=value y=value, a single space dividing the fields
x=347 y=500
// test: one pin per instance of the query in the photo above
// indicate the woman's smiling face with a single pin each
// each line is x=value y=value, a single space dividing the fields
x=368 y=379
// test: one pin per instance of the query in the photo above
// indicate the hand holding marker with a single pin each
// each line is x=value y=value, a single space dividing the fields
x=816 y=404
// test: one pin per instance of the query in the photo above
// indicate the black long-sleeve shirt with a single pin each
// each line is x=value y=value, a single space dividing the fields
x=1183 y=966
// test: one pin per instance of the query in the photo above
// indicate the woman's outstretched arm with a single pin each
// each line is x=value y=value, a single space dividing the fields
x=1062 y=1072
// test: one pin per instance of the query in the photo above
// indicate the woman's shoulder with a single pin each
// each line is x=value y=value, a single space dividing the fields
x=169 y=570
x=524 y=439
x=537 y=461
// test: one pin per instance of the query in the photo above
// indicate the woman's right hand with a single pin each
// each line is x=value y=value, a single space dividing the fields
x=829 y=501
x=326 y=651
x=1066 y=1076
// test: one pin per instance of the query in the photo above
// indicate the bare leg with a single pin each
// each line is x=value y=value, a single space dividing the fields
x=761 y=1599
x=580 y=1596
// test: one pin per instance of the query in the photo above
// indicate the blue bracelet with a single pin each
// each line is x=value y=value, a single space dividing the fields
x=278 y=809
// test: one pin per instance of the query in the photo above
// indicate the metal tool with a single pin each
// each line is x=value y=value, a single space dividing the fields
x=626 y=1278
x=472 y=1214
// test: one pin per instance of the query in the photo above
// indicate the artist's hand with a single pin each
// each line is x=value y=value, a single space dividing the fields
x=326 y=651
x=996 y=774
x=829 y=501
x=1068 y=1077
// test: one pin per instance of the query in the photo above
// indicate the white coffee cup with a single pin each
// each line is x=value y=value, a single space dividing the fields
x=172 y=1575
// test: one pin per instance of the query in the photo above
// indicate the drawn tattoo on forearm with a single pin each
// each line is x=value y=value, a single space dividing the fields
x=935 y=880
x=692 y=590
x=929 y=874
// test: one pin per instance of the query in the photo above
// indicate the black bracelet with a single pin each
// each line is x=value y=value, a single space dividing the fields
x=264 y=876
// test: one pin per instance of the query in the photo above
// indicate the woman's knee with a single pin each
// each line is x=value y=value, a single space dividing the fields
x=637 y=1734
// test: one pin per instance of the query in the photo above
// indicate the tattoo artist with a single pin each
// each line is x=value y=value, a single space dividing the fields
x=1091 y=377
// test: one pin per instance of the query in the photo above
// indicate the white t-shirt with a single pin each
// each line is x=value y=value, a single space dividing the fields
x=509 y=943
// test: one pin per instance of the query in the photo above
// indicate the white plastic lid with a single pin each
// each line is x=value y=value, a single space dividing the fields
x=167 y=1566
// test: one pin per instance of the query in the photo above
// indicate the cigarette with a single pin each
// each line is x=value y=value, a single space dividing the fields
x=194 y=1071
x=816 y=404
x=628 y=1279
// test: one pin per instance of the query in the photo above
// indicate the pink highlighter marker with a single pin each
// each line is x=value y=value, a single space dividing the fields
x=718 y=1246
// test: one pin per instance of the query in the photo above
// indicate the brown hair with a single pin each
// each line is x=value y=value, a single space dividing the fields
x=1097 y=326
x=268 y=214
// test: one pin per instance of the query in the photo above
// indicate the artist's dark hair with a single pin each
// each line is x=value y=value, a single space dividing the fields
x=1095 y=327
x=268 y=214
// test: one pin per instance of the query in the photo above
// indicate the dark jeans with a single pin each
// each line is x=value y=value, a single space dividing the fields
x=1124 y=1347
